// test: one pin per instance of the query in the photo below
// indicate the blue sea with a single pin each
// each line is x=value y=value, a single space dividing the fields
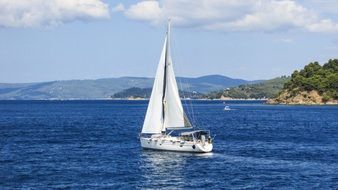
x=94 y=145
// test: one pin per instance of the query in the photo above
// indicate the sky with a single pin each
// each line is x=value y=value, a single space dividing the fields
x=89 y=39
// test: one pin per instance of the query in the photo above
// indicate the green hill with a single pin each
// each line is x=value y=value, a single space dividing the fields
x=146 y=92
x=315 y=84
x=105 y=88
x=133 y=92
x=262 y=90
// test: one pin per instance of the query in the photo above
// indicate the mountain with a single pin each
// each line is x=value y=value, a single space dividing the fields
x=135 y=93
x=105 y=88
x=210 y=83
x=265 y=89
x=315 y=84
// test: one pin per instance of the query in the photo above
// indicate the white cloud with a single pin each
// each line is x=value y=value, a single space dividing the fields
x=232 y=15
x=321 y=6
x=118 y=8
x=284 y=40
x=324 y=25
x=32 y=13
x=145 y=10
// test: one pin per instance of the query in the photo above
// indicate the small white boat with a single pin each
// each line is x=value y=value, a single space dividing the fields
x=227 y=108
x=165 y=113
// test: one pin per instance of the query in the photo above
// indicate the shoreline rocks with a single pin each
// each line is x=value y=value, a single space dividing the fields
x=301 y=98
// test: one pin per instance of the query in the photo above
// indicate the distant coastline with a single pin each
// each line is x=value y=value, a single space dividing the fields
x=264 y=101
x=199 y=99
x=313 y=85
x=121 y=87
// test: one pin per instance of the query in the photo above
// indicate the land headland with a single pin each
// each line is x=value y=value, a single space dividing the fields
x=312 y=85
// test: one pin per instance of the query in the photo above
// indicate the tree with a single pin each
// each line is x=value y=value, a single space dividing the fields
x=323 y=79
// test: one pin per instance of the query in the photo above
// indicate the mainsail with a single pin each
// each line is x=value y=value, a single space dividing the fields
x=165 y=109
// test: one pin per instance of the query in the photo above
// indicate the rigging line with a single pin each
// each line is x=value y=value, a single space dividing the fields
x=184 y=97
x=187 y=102
x=192 y=108
x=179 y=81
x=182 y=89
x=189 y=106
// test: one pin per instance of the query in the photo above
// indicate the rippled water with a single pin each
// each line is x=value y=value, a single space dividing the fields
x=93 y=144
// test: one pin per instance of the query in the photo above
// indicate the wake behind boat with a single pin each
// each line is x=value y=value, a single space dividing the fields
x=165 y=113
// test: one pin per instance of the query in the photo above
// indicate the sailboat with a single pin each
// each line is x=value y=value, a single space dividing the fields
x=165 y=113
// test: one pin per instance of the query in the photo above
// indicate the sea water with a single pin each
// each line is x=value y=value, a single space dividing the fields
x=94 y=145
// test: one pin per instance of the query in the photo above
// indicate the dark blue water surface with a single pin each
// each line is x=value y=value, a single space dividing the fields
x=94 y=145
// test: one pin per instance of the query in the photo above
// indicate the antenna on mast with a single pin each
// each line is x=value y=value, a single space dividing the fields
x=169 y=26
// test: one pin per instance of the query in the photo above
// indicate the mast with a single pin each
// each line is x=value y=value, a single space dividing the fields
x=167 y=54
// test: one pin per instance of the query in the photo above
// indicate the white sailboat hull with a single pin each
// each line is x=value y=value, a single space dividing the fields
x=170 y=143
